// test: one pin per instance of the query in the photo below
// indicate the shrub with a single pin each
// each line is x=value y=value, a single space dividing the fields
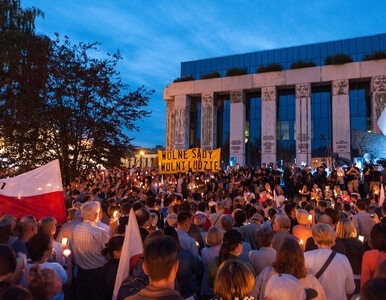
x=185 y=78
x=302 y=64
x=236 y=71
x=338 y=59
x=270 y=68
x=211 y=75
x=375 y=55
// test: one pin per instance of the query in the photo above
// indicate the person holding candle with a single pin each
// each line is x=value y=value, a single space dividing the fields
x=47 y=225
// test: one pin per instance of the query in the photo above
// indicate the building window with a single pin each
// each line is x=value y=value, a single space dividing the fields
x=253 y=129
x=321 y=121
x=286 y=145
x=223 y=126
x=195 y=123
x=360 y=111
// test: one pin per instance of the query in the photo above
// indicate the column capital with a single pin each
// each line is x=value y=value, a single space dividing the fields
x=268 y=93
x=303 y=90
x=207 y=98
x=340 y=87
x=182 y=101
x=378 y=83
x=237 y=96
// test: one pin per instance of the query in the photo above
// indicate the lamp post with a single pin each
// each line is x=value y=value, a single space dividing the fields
x=141 y=154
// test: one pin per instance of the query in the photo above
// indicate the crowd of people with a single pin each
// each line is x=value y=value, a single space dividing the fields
x=240 y=233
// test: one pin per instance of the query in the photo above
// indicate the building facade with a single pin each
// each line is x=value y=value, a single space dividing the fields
x=293 y=115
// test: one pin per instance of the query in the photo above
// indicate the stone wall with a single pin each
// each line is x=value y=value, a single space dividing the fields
x=365 y=142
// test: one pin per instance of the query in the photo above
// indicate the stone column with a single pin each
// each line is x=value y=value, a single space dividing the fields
x=303 y=123
x=341 y=119
x=268 y=125
x=237 y=126
x=170 y=118
x=378 y=100
x=208 y=121
x=182 y=122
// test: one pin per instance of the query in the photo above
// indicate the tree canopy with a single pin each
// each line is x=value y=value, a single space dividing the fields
x=57 y=100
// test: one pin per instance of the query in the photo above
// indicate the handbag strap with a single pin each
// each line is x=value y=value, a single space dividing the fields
x=326 y=264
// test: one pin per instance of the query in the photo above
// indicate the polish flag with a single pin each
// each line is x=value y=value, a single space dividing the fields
x=132 y=251
x=37 y=193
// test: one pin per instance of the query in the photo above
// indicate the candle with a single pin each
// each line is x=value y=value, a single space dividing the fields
x=361 y=238
x=66 y=252
x=301 y=242
x=115 y=214
x=310 y=218
x=64 y=241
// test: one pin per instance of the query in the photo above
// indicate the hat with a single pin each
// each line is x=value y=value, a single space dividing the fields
x=284 y=287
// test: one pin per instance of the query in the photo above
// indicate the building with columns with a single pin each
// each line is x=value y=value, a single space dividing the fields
x=293 y=115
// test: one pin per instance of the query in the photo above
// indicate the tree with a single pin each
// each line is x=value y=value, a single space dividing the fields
x=57 y=101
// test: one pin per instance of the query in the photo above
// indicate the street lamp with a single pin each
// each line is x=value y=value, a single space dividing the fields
x=141 y=153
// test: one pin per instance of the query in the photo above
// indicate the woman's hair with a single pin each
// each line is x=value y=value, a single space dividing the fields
x=290 y=259
x=378 y=237
x=302 y=216
x=200 y=220
x=114 y=244
x=345 y=229
x=40 y=282
x=37 y=245
x=214 y=236
x=232 y=238
x=47 y=225
x=323 y=234
x=234 y=280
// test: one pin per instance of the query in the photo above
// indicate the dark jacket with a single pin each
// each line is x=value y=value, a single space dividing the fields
x=109 y=273
x=135 y=282
x=156 y=293
x=188 y=274
x=354 y=252
x=338 y=247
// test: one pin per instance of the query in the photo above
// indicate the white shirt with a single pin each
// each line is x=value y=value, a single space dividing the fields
x=338 y=279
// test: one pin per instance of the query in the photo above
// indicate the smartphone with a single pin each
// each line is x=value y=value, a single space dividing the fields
x=372 y=215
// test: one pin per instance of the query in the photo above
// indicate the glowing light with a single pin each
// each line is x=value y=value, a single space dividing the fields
x=301 y=242
x=39 y=189
x=142 y=153
x=115 y=214
x=361 y=238
x=64 y=241
x=310 y=218
x=66 y=252
x=48 y=184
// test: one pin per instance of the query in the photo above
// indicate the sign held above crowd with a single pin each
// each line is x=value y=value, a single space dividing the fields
x=194 y=159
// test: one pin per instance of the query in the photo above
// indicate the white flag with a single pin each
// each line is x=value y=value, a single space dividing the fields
x=381 y=196
x=132 y=250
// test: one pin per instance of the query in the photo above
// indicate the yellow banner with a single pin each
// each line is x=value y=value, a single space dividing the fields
x=195 y=159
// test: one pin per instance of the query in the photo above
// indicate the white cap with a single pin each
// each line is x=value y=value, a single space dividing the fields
x=284 y=287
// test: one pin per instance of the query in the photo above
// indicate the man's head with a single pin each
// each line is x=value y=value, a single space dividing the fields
x=184 y=220
x=227 y=222
x=265 y=236
x=281 y=222
x=361 y=205
x=27 y=227
x=143 y=217
x=161 y=263
x=90 y=211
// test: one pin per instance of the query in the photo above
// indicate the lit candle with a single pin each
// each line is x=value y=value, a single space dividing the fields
x=310 y=218
x=66 y=252
x=361 y=238
x=301 y=242
x=115 y=214
x=64 y=241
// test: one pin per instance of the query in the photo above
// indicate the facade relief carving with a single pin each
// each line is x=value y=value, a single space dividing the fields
x=236 y=96
x=268 y=93
x=340 y=87
x=378 y=84
x=207 y=98
x=303 y=90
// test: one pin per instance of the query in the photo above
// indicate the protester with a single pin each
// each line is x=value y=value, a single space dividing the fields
x=47 y=225
x=44 y=283
x=333 y=270
x=281 y=226
x=374 y=257
x=289 y=260
x=266 y=254
x=184 y=221
x=234 y=280
x=27 y=228
x=161 y=264
x=302 y=231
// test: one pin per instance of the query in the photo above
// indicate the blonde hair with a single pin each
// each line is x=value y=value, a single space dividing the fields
x=214 y=236
x=200 y=220
x=233 y=280
x=323 y=234
x=302 y=216
x=345 y=229
x=47 y=225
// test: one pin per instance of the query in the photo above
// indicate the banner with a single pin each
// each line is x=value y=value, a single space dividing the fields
x=37 y=193
x=195 y=159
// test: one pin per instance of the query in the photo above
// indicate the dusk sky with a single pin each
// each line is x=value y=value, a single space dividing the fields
x=154 y=37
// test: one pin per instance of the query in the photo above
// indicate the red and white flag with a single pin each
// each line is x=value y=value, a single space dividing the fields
x=37 y=193
x=132 y=251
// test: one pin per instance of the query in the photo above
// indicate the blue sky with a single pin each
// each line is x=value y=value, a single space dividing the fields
x=154 y=37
